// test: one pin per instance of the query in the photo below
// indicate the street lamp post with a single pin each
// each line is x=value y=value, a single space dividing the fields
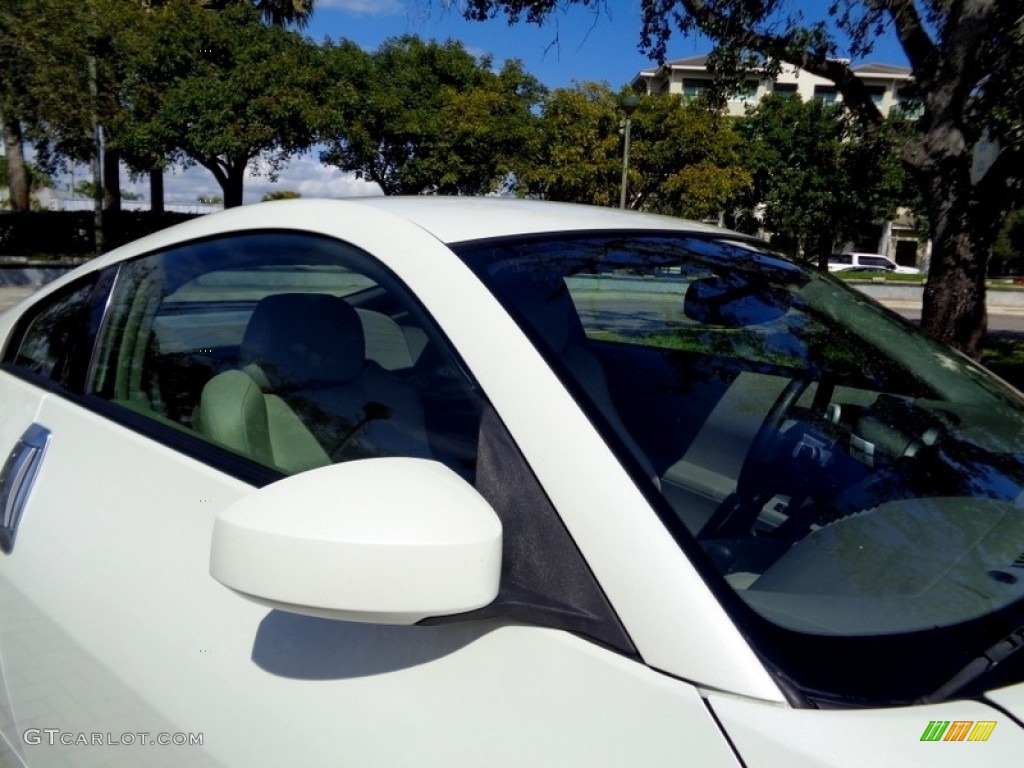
x=628 y=103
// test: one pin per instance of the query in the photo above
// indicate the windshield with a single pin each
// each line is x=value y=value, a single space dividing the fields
x=857 y=486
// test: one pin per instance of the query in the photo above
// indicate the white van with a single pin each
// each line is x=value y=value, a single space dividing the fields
x=839 y=262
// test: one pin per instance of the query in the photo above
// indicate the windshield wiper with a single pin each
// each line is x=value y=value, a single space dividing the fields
x=994 y=655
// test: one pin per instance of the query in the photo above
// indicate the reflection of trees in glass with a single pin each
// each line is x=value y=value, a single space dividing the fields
x=48 y=342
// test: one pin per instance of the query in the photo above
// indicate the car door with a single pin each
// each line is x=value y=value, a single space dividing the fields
x=119 y=648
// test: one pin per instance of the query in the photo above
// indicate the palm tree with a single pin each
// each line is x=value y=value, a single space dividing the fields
x=283 y=12
x=277 y=12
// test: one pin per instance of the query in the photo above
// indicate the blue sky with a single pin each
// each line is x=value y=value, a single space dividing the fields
x=578 y=44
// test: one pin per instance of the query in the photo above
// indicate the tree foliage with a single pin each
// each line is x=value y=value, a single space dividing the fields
x=818 y=176
x=67 y=66
x=966 y=59
x=576 y=156
x=277 y=12
x=280 y=194
x=422 y=117
x=50 y=71
x=220 y=89
x=683 y=157
x=1008 y=251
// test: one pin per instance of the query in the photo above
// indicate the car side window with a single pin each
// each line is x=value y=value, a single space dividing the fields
x=293 y=350
x=877 y=261
x=55 y=330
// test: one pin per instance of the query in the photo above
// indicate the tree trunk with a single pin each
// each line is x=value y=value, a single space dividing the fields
x=156 y=190
x=111 y=180
x=230 y=174
x=17 y=170
x=961 y=228
x=233 y=184
x=823 y=247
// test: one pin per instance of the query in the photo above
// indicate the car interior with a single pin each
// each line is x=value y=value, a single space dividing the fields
x=797 y=450
x=257 y=363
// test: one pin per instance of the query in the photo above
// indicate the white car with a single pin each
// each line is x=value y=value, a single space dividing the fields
x=841 y=262
x=476 y=482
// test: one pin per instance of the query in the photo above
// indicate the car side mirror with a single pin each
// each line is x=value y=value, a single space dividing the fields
x=386 y=541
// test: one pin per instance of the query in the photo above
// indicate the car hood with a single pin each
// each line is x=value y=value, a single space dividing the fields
x=1010 y=699
x=964 y=732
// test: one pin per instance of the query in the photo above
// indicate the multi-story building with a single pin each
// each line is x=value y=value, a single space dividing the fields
x=890 y=86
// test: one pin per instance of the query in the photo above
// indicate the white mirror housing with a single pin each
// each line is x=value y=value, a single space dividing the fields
x=386 y=541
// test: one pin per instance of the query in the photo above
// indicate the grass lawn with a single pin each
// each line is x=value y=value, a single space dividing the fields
x=874 y=274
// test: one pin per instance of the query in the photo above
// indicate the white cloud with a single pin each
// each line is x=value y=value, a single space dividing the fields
x=186 y=186
x=310 y=178
x=365 y=7
x=305 y=175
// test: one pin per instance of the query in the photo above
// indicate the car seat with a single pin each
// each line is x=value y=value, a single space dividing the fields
x=305 y=395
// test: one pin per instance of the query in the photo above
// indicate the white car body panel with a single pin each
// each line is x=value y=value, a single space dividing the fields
x=434 y=536
x=268 y=688
x=577 y=470
x=190 y=651
x=1011 y=698
x=870 y=261
x=768 y=736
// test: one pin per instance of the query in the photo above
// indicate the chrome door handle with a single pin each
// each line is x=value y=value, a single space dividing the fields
x=16 y=479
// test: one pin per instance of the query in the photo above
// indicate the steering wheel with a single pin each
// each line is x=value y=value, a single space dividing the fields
x=737 y=513
x=765 y=446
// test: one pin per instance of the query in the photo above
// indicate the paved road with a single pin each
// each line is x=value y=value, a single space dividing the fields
x=998 y=322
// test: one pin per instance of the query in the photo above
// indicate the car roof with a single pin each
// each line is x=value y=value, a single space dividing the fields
x=457 y=219
x=449 y=219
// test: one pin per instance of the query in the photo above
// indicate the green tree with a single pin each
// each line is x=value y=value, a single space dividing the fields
x=817 y=176
x=44 y=92
x=87 y=188
x=15 y=96
x=576 y=155
x=422 y=117
x=280 y=194
x=38 y=179
x=683 y=156
x=62 y=80
x=967 y=59
x=222 y=90
x=148 y=151
x=1008 y=251
x=277 y=12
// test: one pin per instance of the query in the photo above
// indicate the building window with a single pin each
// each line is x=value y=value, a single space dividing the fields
x=826 y=93
x=908 y=102
x=745 y=92
x=877 y=93
x=694 y=88
x=785 y=89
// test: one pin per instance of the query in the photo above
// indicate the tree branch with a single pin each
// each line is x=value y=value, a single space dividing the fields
x=917 y=43
x=965 y=61
x=213 y=165
x=856 y=96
